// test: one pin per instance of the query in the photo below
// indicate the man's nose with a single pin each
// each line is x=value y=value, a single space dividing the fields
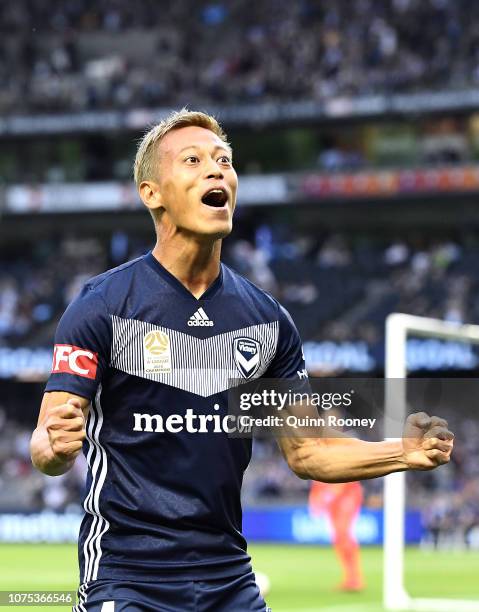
x=214 y=171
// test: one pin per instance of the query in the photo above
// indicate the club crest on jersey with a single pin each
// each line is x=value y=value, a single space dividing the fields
x=246 y=354
x=157 y=353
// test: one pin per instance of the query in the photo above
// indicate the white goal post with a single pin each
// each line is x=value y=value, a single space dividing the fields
x=398 y=328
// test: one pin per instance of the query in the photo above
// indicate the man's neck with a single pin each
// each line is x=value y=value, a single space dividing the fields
x=196 y=264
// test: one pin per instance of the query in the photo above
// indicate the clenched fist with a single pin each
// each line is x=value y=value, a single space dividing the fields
x=60 y=431
x=65 y=425
x=427 y=441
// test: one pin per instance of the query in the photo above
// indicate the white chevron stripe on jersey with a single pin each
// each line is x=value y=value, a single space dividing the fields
x=204 y=366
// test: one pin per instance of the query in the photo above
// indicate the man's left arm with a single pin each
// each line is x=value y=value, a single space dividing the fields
x=426 y=444
x=335 y=457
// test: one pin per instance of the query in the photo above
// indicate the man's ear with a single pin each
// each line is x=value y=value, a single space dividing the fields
x=150 y=195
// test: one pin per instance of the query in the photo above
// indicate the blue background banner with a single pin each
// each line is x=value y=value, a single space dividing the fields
x=296 y=525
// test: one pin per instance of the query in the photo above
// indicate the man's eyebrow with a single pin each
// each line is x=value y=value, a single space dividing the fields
x=224 y=147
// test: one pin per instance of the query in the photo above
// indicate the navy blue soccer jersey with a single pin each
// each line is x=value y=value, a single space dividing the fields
x=163 y=499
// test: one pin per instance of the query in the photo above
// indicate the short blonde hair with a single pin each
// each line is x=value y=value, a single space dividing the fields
x=146 y=158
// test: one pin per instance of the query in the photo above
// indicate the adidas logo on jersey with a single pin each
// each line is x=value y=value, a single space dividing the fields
x=200 y=319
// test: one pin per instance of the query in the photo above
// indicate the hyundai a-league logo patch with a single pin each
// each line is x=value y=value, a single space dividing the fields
x=247 y=356
x=156 y=353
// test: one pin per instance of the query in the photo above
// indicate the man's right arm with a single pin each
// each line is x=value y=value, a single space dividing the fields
x=80 y=358
x=58 y=437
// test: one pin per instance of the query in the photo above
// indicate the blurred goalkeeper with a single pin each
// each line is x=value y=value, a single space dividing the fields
x=341 y=502
x=142 y=363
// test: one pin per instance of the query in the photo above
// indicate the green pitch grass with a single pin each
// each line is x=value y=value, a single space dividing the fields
x=302 y=577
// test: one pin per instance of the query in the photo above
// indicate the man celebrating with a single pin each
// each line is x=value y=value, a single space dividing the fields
x=143 y=360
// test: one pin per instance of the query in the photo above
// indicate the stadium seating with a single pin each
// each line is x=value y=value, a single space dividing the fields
x=71 y=58
x=342 y=300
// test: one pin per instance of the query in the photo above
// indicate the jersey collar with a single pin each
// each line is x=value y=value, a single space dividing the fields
x=178 y=285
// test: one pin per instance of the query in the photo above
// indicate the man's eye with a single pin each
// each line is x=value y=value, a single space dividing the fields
x=224 y=159
x=192 y=159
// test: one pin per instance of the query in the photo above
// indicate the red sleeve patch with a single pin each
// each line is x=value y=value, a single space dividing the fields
x=68 y=359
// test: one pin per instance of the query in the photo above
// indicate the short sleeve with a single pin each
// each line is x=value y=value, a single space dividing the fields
x=289 y=358
x=82 y=346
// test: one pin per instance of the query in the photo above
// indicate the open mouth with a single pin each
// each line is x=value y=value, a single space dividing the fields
x=215 y=197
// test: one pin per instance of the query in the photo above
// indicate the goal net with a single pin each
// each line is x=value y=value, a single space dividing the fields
x=398 y=328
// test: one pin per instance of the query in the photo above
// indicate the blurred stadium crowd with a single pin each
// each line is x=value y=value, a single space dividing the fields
x=336 y=288
x=80 y=55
